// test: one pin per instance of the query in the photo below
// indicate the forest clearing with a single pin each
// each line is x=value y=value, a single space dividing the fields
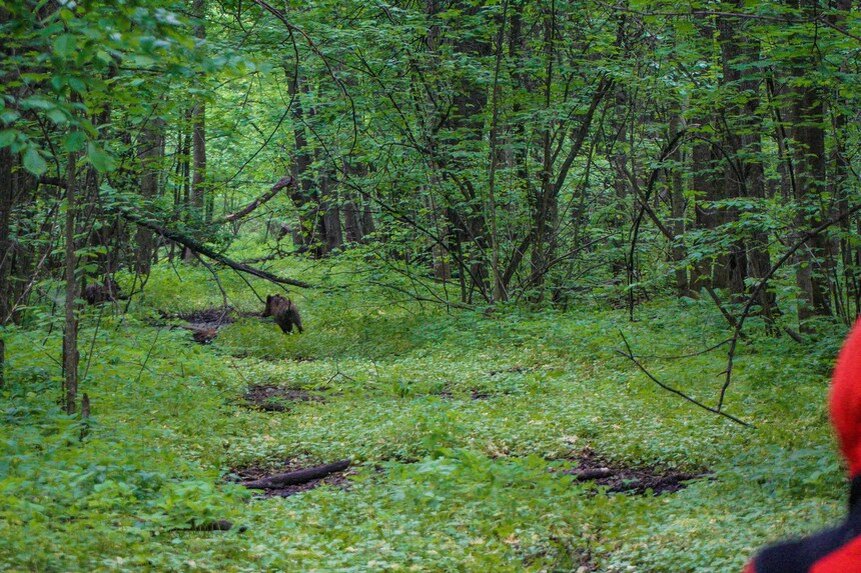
x=428 y=285
x=459 y=428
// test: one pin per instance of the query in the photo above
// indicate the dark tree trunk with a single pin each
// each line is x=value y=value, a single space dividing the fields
x=352 y=216
x=710 y=273
x=677 y=207
x=331 y=214
x=70 y=331
x=6 y=248
x=745 y=175
x=150 y=154
x=352 y=222
x=199 y=196
x=545 y=207
x=184 y=191
x=465 y=125
x=841 y=189
x=305 y=197
x=806 y=116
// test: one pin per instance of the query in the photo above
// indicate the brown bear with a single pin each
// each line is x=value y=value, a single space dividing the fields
x=284 y=311
x=108 y=291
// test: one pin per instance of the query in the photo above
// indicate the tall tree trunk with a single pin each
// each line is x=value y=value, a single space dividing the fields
x=841 y=189
x=712 y=181
x=304 y=197
x=6 y=248
x=70 y=331
x=499 y=291
x=745 y=175
x=352 y=216
x=710 y=272
x=198 y=126
x=331 y=214
x=677 y=208
x=806 y=116
x=150 y=155
x=197 y=195
x=545 y=206
x=368 y=225
x=352 y=222
x=464 y=126
x=185 y=190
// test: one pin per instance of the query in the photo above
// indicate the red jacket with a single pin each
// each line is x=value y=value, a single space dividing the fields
x=836 y=550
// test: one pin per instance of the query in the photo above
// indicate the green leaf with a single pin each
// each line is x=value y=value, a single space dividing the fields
x=64 y=46
x=57 y=116
x=78 y=85
x=73 y=141
x=57 y=82
x=36 y=102
x=101 y=160
x=9 y=115
x=7 y=136
x=33 y=162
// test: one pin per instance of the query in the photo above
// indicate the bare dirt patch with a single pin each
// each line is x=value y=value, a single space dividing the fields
x=271 y=398
x=632 y=481
x=291 y=478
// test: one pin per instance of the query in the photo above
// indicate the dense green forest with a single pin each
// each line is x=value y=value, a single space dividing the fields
x=566 y=281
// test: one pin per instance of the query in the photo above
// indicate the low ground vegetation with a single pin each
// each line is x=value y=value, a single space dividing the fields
x=464 y=430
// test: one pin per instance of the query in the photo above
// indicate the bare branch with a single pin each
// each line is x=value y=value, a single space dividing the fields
x=202 y=249
x=630 y=356
x=282 y=183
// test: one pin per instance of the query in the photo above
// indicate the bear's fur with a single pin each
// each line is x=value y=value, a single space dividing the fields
x=284 y=312
x=108 y=291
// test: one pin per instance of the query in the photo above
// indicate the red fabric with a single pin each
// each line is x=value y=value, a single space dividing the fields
x=749 y=568
x=845 y=400
x=847 y=559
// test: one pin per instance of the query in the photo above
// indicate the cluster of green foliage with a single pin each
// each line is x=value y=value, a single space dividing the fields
x=442 y=481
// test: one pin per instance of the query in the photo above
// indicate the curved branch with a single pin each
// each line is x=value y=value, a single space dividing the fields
x=630 y=356
x=282 y=183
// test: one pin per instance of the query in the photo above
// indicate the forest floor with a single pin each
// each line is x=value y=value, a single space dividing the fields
x=470 y=437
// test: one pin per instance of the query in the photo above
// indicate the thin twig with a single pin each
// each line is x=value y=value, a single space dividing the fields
x=146 y=358
x=93 y=341
x=630 y=356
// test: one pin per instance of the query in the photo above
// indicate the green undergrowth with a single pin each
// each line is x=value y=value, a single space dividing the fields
x=456 y=422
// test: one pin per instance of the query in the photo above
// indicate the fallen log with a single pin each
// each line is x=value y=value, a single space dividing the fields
x=216 y=525
x=297 y=477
